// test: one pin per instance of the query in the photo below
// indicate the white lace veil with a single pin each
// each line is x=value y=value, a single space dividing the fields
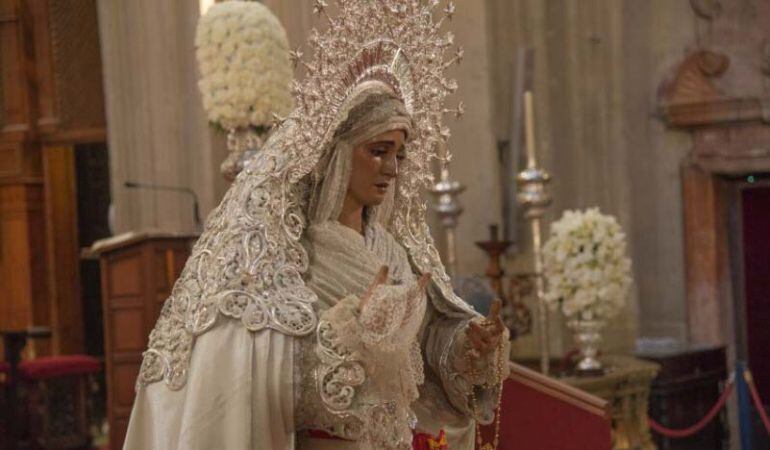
x=249 y=263
x=376 y=114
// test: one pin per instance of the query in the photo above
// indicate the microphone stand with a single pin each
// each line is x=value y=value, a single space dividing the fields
x=159 y=187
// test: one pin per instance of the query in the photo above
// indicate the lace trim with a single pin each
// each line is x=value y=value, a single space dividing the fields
x=454 y=382
x=339 y=371
x=247 y=265
x=368 y=352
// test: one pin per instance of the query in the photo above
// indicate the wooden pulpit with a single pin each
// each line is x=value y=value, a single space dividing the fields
x=541 y=413
x=138 y=270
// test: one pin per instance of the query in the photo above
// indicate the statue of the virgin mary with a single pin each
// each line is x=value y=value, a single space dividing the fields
x=314 y=311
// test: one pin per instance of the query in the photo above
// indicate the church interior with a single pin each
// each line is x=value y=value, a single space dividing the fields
x=648 y=120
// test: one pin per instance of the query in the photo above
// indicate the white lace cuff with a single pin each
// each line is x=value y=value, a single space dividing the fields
x=484 y=371
x=458 y=378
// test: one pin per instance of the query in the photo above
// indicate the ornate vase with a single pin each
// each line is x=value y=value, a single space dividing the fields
x=588 y=336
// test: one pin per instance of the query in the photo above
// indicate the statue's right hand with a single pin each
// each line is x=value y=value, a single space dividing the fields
x=379 y=279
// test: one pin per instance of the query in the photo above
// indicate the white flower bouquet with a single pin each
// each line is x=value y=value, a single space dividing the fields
x=243 y=55
x=586 y=268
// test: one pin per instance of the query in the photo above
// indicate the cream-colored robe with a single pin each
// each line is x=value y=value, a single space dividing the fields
x=243 y=388
x=238 y=395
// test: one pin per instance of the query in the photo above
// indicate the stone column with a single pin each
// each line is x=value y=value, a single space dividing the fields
x=157 y=130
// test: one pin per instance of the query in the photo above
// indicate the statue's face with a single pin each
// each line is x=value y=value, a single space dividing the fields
x=375 y=166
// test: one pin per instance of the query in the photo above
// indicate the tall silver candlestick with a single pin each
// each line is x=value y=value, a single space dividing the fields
x=535 y=199
x=448 y=209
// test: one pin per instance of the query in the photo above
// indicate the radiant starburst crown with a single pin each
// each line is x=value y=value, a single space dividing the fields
x=396 y=42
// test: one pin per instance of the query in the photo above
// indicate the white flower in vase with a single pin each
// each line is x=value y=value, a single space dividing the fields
x=588 y=275
x=245 y=71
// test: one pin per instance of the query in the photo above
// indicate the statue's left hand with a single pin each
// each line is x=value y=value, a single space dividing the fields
x=485 y=335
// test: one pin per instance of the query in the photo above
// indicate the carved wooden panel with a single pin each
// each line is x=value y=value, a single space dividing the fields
x=118 y=428
x=63 y=250
x=14 y=54
x=52 y=71
x=20 y=162
x=43 y=93
x=124 y=275
x=24 y=286
x=125 y=377
x=2 y=90
x=50 y=93
x=77 y=65
x=10 y=159
x=128 y=329
x=163 y=268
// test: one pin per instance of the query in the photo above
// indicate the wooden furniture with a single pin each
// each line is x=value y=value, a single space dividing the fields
x=51 y=101
x=626 y=385
x=14 y=341
x=687 y=386
x=55 y=409
x=138 y=270
x=541 y=413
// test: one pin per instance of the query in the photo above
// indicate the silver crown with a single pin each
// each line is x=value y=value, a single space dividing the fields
x=396 y=42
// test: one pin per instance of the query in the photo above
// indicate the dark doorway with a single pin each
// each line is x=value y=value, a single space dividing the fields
x=750 y=243
x=93 y=187
x=755 y=212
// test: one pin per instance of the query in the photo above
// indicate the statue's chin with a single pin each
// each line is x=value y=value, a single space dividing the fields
x=376 y=201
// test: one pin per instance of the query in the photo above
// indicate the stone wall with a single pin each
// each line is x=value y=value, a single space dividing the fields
x=600 y=65
x=597 y=67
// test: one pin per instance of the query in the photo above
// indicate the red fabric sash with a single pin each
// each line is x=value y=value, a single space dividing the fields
x=424 y=441
x=421 y=441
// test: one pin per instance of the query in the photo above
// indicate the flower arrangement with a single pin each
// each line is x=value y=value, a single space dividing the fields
x=243 y=55
x=587 y=271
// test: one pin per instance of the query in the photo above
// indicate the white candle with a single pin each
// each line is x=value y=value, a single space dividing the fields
x=529 y=123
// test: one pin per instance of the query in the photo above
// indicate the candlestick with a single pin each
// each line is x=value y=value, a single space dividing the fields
x=535 y=199
x=494 y=249
x=449 y=209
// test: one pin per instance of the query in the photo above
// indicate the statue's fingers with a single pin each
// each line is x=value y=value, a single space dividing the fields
x=480 y=346
x=478 y=330
x=490 y=348
x=476 y=341
x=474 y=354
x=380 y=278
